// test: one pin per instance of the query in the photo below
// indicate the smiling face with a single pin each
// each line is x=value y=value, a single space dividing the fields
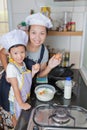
x=18 y=54
x=37 y=34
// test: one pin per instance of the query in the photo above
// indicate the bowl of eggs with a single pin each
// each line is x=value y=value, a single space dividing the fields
x=45 y=92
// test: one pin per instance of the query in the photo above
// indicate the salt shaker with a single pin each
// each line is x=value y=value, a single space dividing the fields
x=68 y=88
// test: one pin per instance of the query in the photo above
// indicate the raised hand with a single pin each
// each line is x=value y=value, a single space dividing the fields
x=55 y=60
x=35 y=69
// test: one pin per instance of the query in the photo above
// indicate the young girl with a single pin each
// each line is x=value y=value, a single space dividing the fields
x=17 y=73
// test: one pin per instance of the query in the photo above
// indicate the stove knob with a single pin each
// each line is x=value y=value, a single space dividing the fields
x=35 y=128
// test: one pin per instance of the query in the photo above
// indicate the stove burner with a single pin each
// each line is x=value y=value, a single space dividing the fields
x=61 y=116
x=58 y=117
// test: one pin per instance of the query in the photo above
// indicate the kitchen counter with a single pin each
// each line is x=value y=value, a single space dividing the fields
x=78 y=98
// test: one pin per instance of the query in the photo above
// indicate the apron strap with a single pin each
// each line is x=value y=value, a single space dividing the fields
x=41 y=53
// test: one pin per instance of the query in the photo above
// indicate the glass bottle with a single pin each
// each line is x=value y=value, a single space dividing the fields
x=67 y=55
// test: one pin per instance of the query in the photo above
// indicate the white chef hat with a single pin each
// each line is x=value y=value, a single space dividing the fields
x=39 y=19
x=14 y=37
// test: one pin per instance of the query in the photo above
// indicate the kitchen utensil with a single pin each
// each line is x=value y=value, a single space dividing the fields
x=45 y=92
x=61 y=83
x=64 y=69
x=61 y=72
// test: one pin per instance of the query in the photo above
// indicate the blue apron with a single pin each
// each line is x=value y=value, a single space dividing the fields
x=4 y=92
x=30 y=62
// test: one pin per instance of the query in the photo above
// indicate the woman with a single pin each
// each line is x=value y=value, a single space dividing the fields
x=36 y=51
x=38 y=29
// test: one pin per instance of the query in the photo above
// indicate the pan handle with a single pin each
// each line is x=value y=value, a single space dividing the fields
x=71 y=65
x=57 y=78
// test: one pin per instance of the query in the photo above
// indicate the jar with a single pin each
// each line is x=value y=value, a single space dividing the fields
x=68 y=26
x=73 y=26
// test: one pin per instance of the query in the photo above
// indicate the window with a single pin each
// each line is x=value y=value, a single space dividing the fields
x=3 y=17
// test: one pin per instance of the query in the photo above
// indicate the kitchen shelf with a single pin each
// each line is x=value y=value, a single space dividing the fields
x=56 y=33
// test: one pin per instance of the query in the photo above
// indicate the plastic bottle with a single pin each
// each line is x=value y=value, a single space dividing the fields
x=68 y=88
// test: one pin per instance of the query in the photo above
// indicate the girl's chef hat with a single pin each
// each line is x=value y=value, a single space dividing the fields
x=39 y=19
x=14 y=37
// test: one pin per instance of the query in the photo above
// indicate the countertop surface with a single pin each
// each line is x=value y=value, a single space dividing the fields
x=58 y=99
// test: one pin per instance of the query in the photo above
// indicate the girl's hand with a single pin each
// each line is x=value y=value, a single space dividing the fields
x=55 y=60
x=35 y=69
x=25 y=106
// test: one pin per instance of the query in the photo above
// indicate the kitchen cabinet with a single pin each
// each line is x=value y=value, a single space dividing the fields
x=56 y=33
x=82 y=93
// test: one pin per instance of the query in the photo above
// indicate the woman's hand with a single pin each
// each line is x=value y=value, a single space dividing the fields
x=35 y=69
x=55 y=60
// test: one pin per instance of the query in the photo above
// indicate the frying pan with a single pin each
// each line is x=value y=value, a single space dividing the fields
x=61 y=72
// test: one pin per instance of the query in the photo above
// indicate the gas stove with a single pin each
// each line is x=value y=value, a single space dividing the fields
x=57 y=117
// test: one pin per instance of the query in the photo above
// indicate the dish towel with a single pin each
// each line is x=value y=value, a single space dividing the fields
x=42 y=80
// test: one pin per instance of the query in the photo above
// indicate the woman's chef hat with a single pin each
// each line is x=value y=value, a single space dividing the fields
x=39 y=19
x=14 y=37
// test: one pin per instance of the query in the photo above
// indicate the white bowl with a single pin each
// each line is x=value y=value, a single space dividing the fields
x=61 y=83
x=45 y=92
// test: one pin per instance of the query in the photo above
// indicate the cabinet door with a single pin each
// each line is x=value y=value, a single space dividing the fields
x=82 y=93
x=84 y=45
